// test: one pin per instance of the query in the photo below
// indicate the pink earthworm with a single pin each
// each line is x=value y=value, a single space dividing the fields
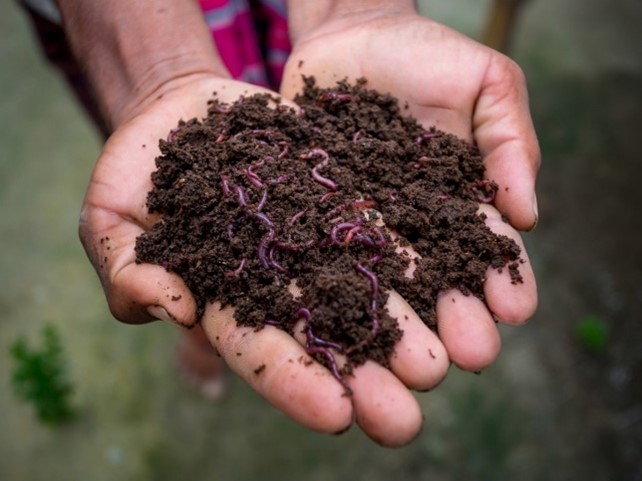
x=263 y=200
x=374 y=317
x=324 y=181
x=297 y=216
x=225 y=186
x=485 y=190
x=238 y=270
x=242 y=199
x=171 y=135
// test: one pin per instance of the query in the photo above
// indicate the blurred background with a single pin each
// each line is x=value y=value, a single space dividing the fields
x=563 y=402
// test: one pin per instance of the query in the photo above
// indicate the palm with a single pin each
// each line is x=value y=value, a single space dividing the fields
x=114 y=212
x=446 y=79
x=434 y=95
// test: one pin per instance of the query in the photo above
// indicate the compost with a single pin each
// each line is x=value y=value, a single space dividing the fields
x=258 y=197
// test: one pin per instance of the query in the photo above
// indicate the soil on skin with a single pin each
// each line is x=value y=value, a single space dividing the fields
x=258 y=196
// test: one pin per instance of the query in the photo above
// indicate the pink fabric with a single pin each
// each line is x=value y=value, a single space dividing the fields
x=251 y=37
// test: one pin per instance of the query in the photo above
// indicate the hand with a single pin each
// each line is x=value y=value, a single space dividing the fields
x=114 y=212
x=150 y=68
x=464 y=88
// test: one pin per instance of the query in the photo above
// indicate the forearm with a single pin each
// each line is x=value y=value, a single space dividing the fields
x=133 y=51
x=305 y=16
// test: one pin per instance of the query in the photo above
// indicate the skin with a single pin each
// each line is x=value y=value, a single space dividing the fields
x=147 y=76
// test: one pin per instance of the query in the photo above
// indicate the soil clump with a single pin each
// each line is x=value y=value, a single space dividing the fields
x=257 y=196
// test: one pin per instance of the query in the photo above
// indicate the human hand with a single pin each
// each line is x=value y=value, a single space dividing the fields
x=150 y=68
x=464 y=88
x=115 y=213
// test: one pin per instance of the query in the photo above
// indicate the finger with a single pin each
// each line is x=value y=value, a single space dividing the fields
x=504 y=132
x=385 y=409
x=277 y=367
x=467 y=330
x=511 y=302
x=420 y=359
x=136 y=293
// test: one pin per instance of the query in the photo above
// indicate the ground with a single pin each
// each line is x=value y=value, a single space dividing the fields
x=549 y=409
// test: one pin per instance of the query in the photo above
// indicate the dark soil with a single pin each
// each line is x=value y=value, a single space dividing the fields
x=257 y=195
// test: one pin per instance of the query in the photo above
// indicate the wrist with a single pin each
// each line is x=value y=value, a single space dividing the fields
x=306 y=17
x=134 y=52
x=159 y=80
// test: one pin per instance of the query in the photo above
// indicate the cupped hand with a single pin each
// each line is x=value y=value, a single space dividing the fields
x=461 y=87
x=114 y=211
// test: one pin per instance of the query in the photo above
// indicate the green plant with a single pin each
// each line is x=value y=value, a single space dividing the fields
x=39 y=377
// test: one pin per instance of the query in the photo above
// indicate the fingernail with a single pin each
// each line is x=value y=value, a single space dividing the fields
x=159 y=312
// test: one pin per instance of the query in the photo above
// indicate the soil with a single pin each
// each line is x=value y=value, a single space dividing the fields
x=257 y=197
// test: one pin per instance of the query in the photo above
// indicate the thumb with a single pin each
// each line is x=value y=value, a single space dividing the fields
x=136 y=293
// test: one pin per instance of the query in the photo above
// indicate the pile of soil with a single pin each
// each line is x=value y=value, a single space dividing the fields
x=257 y=196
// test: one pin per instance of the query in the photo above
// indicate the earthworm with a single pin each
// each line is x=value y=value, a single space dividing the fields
x=241 y=196
x=263 y=200
x=318 y=341
x=334 y=368
x=368 y=241
x=225 y=186
x=273 y=262
x=254 y=179
x=297 y=216
x=252 y=176
x=305 y=313
x=426 y=136
x=236 y=272
x=316 y=345
x=171 y=135
x=267 y=239
x=220 y=108
x=334 y=233
x=261 y=217
x=285 y=150
x=374 y=317
x=485 y=190
x=324 y=181
x=279 y=180
x=326 y=196
x=270 y=134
